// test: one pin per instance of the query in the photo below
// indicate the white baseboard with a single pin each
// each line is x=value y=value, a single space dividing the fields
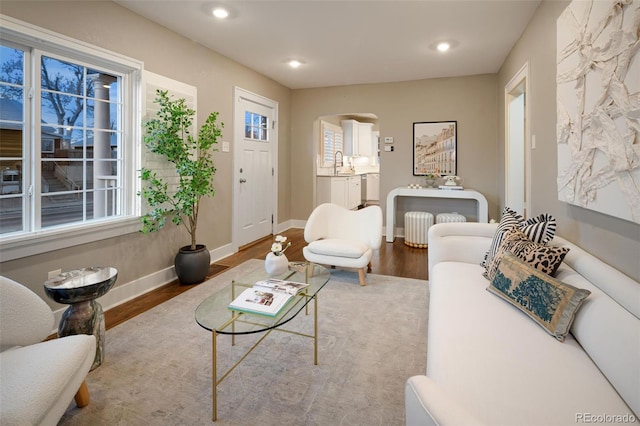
x=128 y=291
x=292 y=223
x=298 y=224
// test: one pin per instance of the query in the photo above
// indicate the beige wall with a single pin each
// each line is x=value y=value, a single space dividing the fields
x=476 y=102
x=472 y=101
x=613 y=240
x=113 y=27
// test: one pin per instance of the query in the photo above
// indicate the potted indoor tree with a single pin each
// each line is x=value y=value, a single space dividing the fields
x=169 y=135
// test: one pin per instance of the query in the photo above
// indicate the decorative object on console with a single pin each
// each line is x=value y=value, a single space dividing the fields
x=540 y=229
x=276 y=262
x=549 y=302
x=431 y=178
x=544 y=258
x=598 y=75
x=451 y=180
x=434 y=147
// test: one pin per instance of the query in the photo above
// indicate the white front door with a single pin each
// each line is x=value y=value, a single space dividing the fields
x=255 y=151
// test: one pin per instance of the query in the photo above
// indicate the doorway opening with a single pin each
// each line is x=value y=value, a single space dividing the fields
x=347 y=159
x=517 y=143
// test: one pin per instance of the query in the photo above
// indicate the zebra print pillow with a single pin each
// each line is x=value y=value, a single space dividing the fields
x=540 y=229
x=542 y=257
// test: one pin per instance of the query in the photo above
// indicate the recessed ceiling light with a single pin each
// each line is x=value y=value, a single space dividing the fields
x=220 y=12
x=294 y=63
x=443 y=47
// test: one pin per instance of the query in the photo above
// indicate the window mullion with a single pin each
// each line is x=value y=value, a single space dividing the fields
x=35 y=147
x=31 y=129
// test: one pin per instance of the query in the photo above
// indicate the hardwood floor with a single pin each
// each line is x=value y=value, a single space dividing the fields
x=394 y=259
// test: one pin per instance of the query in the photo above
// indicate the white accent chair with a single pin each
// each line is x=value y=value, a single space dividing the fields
x=38 y=379
x=345 y=238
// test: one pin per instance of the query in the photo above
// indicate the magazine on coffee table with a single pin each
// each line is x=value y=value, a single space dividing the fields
x=267 y=297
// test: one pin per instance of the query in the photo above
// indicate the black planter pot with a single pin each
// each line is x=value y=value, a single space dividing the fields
x=192 y=266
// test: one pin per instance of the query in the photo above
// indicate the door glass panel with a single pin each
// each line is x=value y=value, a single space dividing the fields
x=256 y=127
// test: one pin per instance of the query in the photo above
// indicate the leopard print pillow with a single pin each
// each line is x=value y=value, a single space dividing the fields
x=544 y=258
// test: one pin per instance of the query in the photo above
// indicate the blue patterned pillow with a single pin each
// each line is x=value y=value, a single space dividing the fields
x=540 y=229
x=549 y=302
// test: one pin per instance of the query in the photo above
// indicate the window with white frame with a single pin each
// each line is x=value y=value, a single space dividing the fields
x=331 y=142
x=68 y=138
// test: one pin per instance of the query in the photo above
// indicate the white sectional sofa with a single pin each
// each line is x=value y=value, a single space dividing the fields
x=489 y=363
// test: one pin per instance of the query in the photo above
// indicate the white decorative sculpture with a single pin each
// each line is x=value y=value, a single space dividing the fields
x=598 y=81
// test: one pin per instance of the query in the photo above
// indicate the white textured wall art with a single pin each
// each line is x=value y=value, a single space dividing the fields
x=598 y=106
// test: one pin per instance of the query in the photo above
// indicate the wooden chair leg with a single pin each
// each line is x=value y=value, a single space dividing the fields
x=369 y=267
x=361 y=276
x=82 y=396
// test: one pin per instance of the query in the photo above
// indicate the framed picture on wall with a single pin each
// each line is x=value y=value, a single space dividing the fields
x=434 y=147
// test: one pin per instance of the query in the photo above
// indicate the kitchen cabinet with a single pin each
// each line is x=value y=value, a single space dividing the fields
x=339 y=193
x=342 y=190
x=354 y=198
x=373 y=186
x=358 y=139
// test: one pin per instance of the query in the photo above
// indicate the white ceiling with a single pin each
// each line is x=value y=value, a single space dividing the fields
x=347 y=42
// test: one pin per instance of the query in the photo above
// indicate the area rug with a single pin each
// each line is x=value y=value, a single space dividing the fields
x=157 y=366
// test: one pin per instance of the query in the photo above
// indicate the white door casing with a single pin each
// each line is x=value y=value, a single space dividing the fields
x=517 y=143
x=255 y=164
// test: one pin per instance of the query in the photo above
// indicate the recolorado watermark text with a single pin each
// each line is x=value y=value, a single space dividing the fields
x=605 y=418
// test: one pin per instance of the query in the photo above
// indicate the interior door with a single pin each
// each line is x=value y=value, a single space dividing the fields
x=254 y=167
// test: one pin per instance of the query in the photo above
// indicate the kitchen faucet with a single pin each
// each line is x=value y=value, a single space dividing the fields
x=335 y=162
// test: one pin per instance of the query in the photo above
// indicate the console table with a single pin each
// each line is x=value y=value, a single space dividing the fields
x=470 y=194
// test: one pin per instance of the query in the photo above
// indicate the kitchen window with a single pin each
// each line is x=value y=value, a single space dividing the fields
x=69 y=141
x=332 y=137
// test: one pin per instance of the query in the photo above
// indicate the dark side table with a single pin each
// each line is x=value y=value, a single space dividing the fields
x=79 y=289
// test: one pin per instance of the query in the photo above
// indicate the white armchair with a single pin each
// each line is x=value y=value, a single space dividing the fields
x=345 y=238
x=38 y=379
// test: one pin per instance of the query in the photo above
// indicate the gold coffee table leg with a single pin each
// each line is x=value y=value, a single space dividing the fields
x=214 y=336
x=315 y=329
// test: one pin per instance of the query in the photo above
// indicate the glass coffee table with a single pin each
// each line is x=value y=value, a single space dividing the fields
x=214 y=315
